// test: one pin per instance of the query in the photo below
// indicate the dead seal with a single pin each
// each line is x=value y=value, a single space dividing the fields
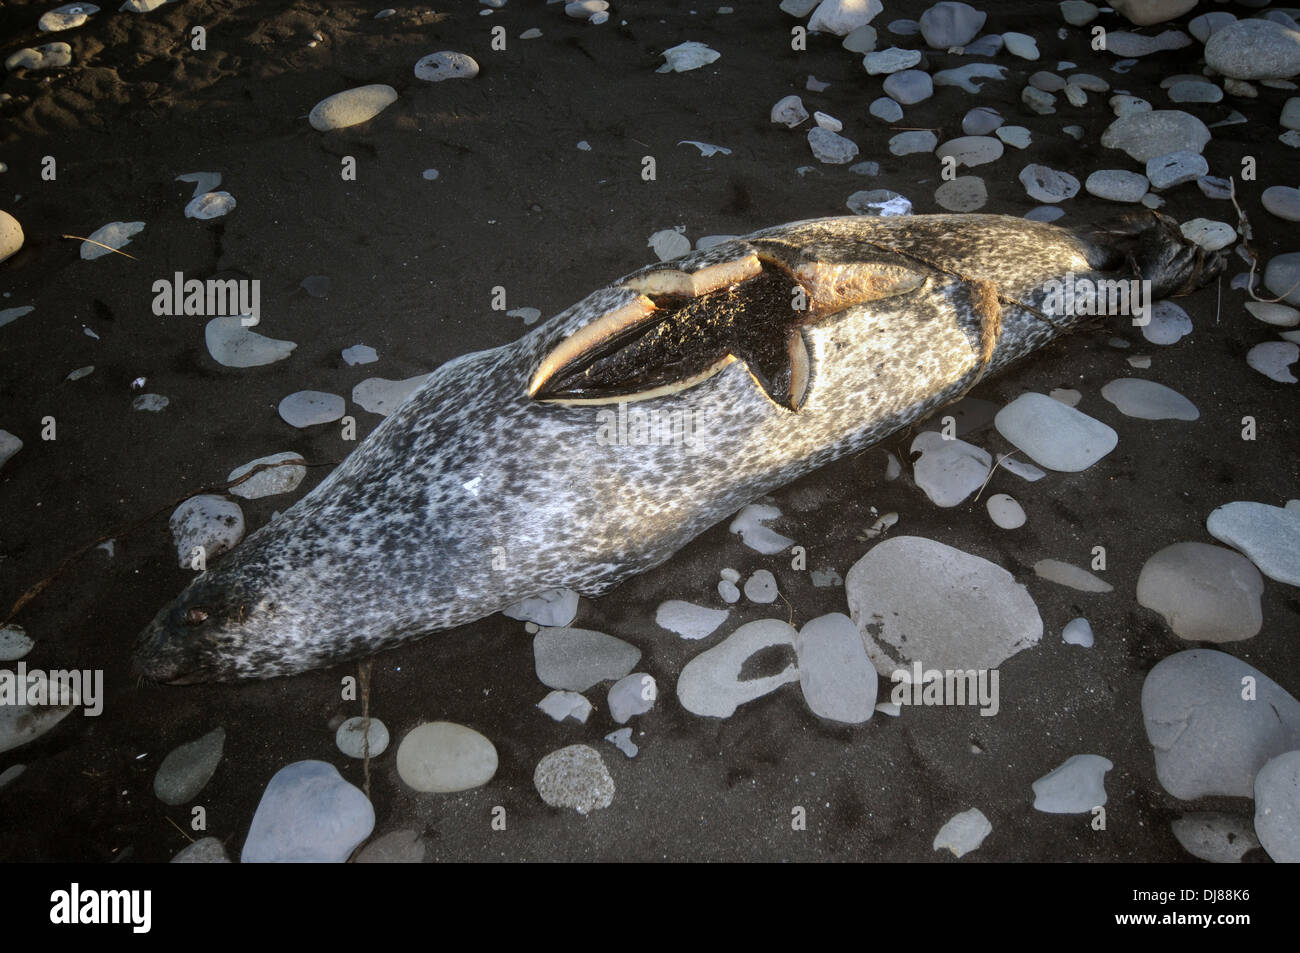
x=514 y=471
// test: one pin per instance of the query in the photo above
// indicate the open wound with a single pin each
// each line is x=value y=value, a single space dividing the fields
x=682 y=329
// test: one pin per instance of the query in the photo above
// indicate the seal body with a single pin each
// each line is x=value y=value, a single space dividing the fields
x=526 y=468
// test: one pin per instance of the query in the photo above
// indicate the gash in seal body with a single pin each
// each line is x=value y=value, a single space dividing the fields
x=508 y=472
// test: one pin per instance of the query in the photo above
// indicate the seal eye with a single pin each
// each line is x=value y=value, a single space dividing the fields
x=195 y=616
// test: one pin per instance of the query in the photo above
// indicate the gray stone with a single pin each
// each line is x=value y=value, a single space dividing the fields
x=838 y=680
x=1065 y=574
x=1282 y=276
x=1254 y=49
x=963 y=832
x=574 y=777
x=1213 y=722
x=395 y=847
x=1282 y=201
x=1047 y=82
x=14 y=643
x=1076 y=787
x=892 y=60
x=445 y=65
x=1169 y=324
x=1015 y=136
x=1277 y=808
x=949 y=470
x=1147 y=135
x=443 y=757
x=918 y=600
x=1079 y=12
x=687 y=619
x=1175 y=168
x=1042 y=103
x=971 y=150
x=576 y=659
x=632 y=695
x=307 y=408
x=206 y=850
x=949 y=24
x=1147 y=12
x=831 y=148
x=308 y=814
x=1214 y=836
x=966 y=193
x=760 y=587
x=886 y=109
x=1199 y=91
x=789 y=112
x=1207 y=24
x=909 y=86
x=188 y=768
x=1148 y=400
x=268 y=482
x=1054 y=435
x=1206 y=593
x=1208 y=233
x=981 y=121
x=1268 y=535
x=710 y=684
x=1048 y=185
x=352 y=736
x=914 y=140
x=965 y=76
x=1117 y=185
x=1126 y=44
x=554 y=607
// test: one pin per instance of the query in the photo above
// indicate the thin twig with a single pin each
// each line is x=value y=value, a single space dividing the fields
x=992 y=470
x=101 y=245
x=363 y=674
x=1247 y=233
x=184 y=832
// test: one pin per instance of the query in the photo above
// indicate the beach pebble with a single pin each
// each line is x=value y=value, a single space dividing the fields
x=114 y=235
x=154 y=403
x=9 y=445
x=728 y=592
x=689 y=620
x=576 y=659
x=963 y=832
x=1076 y=787
x=231 y=344
x=948 y=24
x=1254 y=49
x=66 y=17
x=205 y=850
x=446 y=64
x=1213 y=722
x=1117 y=185
x=687 y=56
x=14 y=643
x=1078 y=632
x=1053 y=435
x=555 y=608
x=352 y=736
x=1268 y=535
x=381 y=396
x=878 y=202
x=360 y=354
x=80 y=372
x=913 y=141
x=981 y=121
x=1282 y=277
x=1038 y=101
x=1207 y=24
x=622 y=740
x=1277 y=808
x=831 y=148
x=1148 y=400
x=966 y=193
x=892 y=60
x=965 y=76
x=971 y=150
x=1175 y=168
x=948 y=470
x=1046 y=82
x=904 y=27
x=1126 y=44
x=1147 y=12
x=860 y=40
x=838 y=680
x=915 y=599
x=1021 y=468
x=789 y=112
x=188 y=768
x=710 y=684
x=443 y=757
x=825 y=578
x=632 y=695
x=669 y=243
x=1206 y=593
x=1278 y=315
x=1290 y=116
x=1067 y=395
x=1065 y=574
x=886 y=110
x=574 y=777
x=308 y=814
x=351 y=107
x=530 y=315
x=210 y=205
x=1195 y=91
x=268 y=482
x=1015 y=136
x=748 y=523
x=49 y=56
x=1273 y=359
x=842 y=17
x=22 y=723
x=1282 y=201
x=760 y=587
x=318 y=286
x=1214 y=836
x=585 y=9
x=1005 y=512
x=306 y=408
x=560 y=705
x=213 y=522
x=1213 y=187
x=909 y=86
x=1021 y=44
x=1146 y=135
x=395 y=847
x=1169 y=324
x=1209 y=234
x=202 y=181
x=1078 y=12
x=1047 y=185
x=8 y=315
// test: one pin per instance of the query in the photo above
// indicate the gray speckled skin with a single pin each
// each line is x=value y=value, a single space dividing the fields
x=393 y=545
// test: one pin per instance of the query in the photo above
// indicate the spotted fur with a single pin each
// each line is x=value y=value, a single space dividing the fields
x=471 y=496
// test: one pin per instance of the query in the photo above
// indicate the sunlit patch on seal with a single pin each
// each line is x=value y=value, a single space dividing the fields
x=684 y=328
